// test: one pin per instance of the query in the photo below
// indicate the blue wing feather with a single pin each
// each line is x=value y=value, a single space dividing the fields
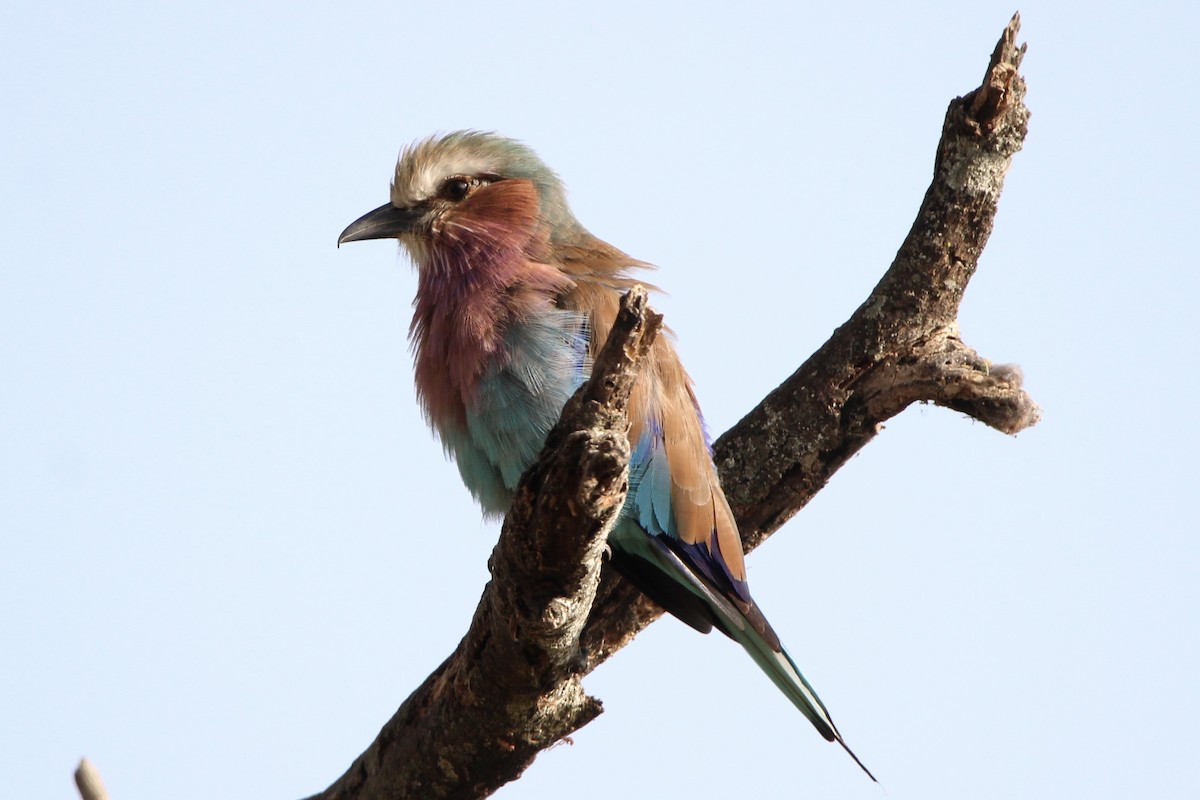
x=650 y=503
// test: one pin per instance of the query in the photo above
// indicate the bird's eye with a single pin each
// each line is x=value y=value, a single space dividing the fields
x=455 y=188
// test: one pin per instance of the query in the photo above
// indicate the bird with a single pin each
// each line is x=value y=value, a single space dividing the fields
x=514 y=299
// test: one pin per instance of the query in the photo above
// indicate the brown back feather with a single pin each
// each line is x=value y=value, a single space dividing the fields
x=664 y=391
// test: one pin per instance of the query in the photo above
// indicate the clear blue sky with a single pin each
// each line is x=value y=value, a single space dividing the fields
x=229 y=546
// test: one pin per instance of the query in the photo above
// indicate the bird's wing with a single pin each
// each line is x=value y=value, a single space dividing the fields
x=676 y=539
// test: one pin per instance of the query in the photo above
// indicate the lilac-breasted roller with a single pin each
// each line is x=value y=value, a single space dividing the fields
x=514 y=298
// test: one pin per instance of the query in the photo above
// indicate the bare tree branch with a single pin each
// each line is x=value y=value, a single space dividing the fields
x=512 y=687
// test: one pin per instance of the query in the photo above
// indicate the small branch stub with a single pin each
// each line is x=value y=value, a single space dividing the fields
x=87 y=780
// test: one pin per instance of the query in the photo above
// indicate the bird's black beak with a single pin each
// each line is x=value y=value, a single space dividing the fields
x=385 y=222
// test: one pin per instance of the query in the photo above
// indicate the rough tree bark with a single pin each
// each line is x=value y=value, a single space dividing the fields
x=512 y=687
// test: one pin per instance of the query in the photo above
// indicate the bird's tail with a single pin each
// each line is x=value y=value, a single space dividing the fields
x=743 y=622
x=784 y=673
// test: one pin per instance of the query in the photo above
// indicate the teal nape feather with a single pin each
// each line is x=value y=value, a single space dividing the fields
x=514 y=297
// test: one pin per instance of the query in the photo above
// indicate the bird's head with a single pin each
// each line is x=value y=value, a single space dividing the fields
x=457 y=195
